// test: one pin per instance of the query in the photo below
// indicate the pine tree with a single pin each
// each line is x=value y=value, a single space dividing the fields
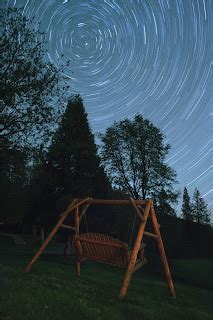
x=186 y=207
x=163 y=205
x=73 y=155
x=199 y=209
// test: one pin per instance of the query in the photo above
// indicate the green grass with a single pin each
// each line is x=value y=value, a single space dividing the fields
x=52 y=291
x=198 y=272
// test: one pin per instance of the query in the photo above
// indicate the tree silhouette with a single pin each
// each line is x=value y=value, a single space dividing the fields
x=134 y=155
x=186 y=207
x=28 y=82
x=199 y=209
x=73 y=155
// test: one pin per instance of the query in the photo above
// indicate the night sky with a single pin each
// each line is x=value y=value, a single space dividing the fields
x=152 y=57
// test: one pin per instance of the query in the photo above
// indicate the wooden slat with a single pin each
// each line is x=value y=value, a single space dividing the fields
x=103 y=248
x=104 y=243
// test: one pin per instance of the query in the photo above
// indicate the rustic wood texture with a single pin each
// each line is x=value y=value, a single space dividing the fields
x=136 y=209
x=66 y=226
x=139 y=265
x=77 y=221
x=83 y=212
x=72 y=206
x=151 y=235
x=105 y=249
x=102 y=248
x=78 y=257
x=134 y=253
x=162 y=253
x=116 y=202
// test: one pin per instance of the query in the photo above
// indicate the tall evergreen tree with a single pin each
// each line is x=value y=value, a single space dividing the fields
x=163 y=203
x=199 y=208
x=73 y=155
x=186 y=207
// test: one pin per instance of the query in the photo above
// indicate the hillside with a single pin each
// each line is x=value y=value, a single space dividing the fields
x=52 y=291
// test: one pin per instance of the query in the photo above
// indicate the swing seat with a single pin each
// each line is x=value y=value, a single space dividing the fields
x=103 y=248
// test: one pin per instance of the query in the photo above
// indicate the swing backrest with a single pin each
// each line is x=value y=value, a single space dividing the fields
x=102 y=248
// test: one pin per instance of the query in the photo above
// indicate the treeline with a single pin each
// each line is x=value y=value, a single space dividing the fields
x=37 y=186
x=49 y=156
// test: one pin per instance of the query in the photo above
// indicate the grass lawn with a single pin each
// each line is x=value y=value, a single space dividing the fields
x=52 y=291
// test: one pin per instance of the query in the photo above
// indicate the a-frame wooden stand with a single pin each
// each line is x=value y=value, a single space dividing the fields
x=144 y=209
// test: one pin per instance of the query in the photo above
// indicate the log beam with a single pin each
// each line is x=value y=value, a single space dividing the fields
x=136 y=209
x=116 y=202
x=139 y=265
x=71 y=207
x=134 y=253
x=151 y=235
x=162 y=253
x=65 y=226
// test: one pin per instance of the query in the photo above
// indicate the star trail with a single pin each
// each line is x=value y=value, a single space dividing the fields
x=152 y=57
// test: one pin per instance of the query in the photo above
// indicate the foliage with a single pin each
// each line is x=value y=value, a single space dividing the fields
x=186 y=206
x=199 y=209
x=134 y=155
x=28 y=82
x=73 y=154
x=162 y=202
x=14 y=182
x=69 y=168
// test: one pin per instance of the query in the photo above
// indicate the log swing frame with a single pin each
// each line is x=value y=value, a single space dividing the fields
x=143 y=208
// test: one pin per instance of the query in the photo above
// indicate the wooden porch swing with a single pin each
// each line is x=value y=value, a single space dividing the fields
x=103 y=248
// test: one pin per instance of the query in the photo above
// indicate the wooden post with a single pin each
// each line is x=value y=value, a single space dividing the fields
x=44 y=245
x=72 y=206
x=77 y=222
x=78 y=264
x=135 y=250
x=78 y=257
x=136 y=209
x=83 y=212
x=162 y=253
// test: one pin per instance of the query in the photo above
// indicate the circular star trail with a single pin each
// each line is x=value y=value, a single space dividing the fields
x=140 y=56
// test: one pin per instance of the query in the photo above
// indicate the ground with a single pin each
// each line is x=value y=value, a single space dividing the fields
x=52 y=291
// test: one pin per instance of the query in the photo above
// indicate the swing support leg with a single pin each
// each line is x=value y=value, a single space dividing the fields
x=71 y=207
x=162 y=253
x=134 y=254
x=44 y=245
